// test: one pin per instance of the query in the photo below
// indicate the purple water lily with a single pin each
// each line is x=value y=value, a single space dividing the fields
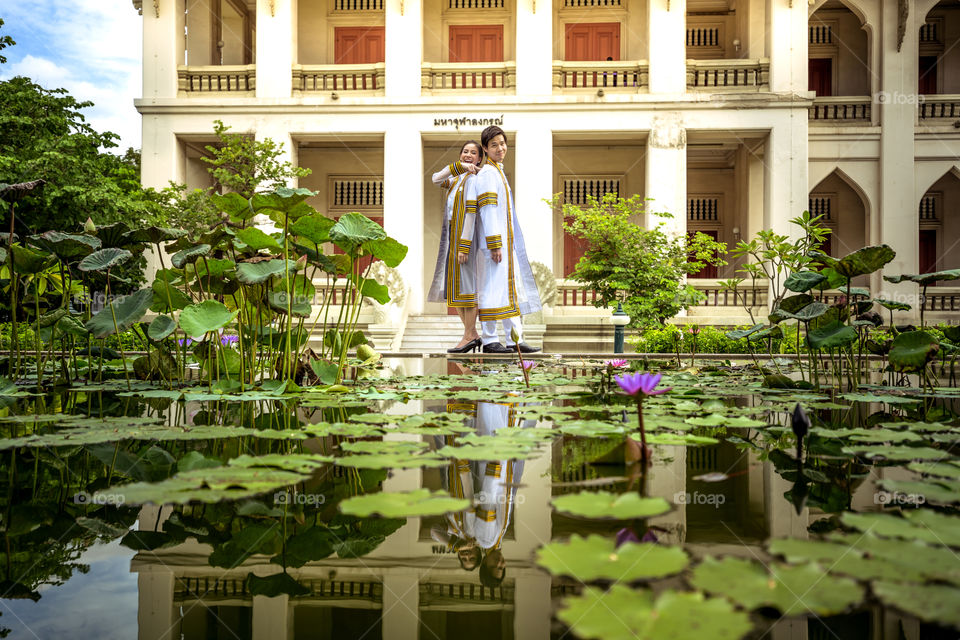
x=229 y=340
x=644 y=384
x=528 y=364
x=188 y=342
x=641 y=386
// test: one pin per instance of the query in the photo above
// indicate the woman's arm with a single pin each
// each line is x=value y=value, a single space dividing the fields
x=444 y=177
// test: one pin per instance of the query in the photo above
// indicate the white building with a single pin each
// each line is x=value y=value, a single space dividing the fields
x=735 y=115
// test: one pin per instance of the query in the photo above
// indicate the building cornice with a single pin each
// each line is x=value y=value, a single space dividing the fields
x=494 y=104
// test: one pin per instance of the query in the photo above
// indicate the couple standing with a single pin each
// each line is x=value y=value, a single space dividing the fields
x=482 y=267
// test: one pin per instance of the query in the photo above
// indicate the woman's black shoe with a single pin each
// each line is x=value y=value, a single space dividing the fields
x=473 y=345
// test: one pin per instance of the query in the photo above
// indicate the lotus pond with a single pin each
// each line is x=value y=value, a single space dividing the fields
x=447 y=498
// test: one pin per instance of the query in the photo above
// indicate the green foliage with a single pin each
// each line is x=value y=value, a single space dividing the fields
x=709 y=340
x=643 y=268
x=44 y=135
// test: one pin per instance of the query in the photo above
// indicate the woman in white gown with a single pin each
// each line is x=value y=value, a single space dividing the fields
x=455 y=276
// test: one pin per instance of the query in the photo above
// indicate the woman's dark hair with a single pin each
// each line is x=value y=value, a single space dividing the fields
x=477 y=145
x=490 y=133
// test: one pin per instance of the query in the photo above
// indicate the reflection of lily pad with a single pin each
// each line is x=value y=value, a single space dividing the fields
x=274 y=585
x=793 y=590
x=602 y=504
x=420 y=502
x=402 y=447
x=596 y=558
x=674 y=615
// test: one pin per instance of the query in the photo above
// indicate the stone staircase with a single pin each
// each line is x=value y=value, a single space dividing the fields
x=431 y=334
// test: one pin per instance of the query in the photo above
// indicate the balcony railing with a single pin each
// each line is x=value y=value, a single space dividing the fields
x=612 y=76
x=572 y=294
x=468 y=76
x=218 y=78
x=942 y=106
x=339 y=77
x=728 y=74
x=842 y=109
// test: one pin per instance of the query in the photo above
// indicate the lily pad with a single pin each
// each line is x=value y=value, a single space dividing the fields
x=933 y=603
x=161 y=327
x=104 y=259
x=126 y=311
x=605 y=505
x=793 y=590
x=420 y=502
x=674 y=615
x=204 y=485
x=198 y=319
x=831 y=336
x=258 y=272
x=597 y=558
x=912 y=350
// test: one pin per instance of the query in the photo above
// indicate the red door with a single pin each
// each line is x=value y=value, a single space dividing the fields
x=928 y=75
x=593 y=41
x=573 y=250
x=359 y=45
x=928 y=250
x=821 y=76
x=476 y=43
x=709 y=270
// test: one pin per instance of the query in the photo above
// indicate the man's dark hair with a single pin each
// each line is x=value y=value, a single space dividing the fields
x=490 y=133
x=487 y=578
x=475 y=557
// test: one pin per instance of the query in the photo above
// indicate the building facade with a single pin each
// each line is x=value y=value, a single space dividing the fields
x=733 y=115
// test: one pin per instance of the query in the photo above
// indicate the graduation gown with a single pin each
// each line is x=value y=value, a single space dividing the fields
x=507 y=288
x=455 y=283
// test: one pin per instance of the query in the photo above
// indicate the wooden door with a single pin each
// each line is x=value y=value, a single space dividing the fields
x=928 y=75
x=573 y=250
x=476 y=43
x=709 y=270
x=359 y=45
x=593 y=41
x=928 y=250
x=821 y=76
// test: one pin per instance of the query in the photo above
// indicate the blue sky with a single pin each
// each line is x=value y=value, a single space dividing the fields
x=92 y=48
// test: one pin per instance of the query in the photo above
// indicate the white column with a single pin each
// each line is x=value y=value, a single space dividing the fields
x=276 y=130
x=162 y=159
x=668 y=45
x=899 y=224
x=787 y=40
x=754 y=40
x=163 y=47
x=401 y=604
x=404 y=50
x=786 y=192
x=272 y=618
x=666 y=165
x=403 y=202
x=200 y=34
x=531 y=604
x=533 y=183
x=157 y=618
x=534 y=48
x=276 y=47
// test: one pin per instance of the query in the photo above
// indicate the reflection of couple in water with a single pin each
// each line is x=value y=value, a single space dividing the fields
x=476 y=534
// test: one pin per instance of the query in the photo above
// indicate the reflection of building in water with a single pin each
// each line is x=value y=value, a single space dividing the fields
x=408 y=589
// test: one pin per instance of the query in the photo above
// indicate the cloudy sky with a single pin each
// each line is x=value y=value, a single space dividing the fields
x=92 y=48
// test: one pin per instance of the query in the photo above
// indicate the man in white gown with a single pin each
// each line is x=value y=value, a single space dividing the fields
x=506 y=286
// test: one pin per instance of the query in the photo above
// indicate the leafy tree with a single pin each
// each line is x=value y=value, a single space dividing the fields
x=642 y=268
x=5 y=41
x=238 y=163
x=44 y=135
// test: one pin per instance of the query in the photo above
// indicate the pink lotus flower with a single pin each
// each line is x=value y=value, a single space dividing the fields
x=644 y=384
x=528 y=364
x=619 y=363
